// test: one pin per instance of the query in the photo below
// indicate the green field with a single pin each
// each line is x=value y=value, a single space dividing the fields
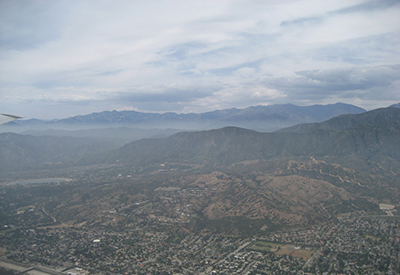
x=265 y=246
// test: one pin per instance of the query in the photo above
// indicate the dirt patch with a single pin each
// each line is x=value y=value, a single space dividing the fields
x=294 y=252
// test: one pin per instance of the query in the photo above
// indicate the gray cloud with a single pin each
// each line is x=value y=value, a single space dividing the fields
x=166 y=95
x=230 y=70
x=303 y=21
x=72 y=57
x=348 y=82
x=25 y=24
x=368 y=6
x=361 y=51
x=181 y=52
x=113 y=72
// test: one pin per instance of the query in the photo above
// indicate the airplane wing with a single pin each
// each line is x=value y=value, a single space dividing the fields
x=4 y=118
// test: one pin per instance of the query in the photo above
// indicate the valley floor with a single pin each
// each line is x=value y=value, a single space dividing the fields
x=352 y=246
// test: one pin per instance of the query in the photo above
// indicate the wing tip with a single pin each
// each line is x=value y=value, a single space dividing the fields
x=12 y=116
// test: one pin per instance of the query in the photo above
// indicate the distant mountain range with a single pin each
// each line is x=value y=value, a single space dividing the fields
x=364 y=136
x=261 y=118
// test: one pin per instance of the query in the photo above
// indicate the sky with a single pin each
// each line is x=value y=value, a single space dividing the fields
x=65 y=58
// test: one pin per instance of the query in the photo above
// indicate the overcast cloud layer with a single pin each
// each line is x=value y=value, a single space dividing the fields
x=64 y=58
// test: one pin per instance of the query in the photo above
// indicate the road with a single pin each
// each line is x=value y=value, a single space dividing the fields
x=44 y=211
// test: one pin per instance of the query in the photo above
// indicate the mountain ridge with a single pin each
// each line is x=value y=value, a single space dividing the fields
x=368 y=134
x=372 y=118
x=229 y=145
x=255 y=117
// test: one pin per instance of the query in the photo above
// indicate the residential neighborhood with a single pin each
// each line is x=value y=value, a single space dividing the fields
x=352 y=246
